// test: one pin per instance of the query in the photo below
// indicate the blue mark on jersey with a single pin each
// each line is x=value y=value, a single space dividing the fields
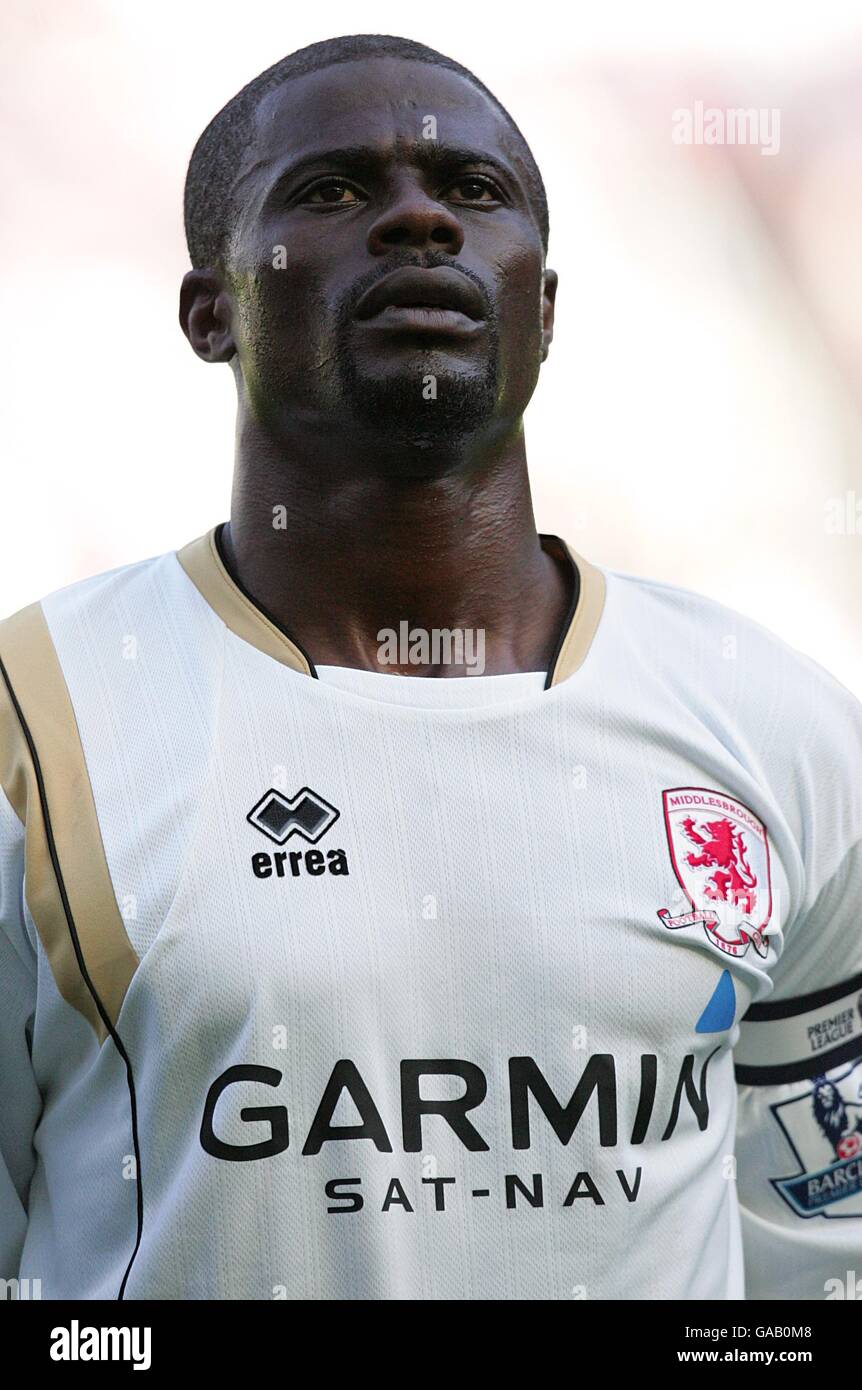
x=719 y=1013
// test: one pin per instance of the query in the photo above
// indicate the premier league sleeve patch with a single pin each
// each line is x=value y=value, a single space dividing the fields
x=720 y=855
x=824 y=1130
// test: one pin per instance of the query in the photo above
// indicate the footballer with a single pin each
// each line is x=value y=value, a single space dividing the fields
x=394 y=903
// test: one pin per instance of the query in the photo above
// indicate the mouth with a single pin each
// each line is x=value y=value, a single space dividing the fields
x=438 y=301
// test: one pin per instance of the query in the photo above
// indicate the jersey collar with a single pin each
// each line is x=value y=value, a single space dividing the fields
x=204 y=563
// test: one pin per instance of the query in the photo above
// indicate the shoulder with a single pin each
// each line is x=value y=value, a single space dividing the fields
x=794 y=727
x=136 y=594
x=722 y=655
x=84 y=653
x=88 y=594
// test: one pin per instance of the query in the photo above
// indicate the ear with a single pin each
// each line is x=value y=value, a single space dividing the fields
x=205 y=315
x=549 y=295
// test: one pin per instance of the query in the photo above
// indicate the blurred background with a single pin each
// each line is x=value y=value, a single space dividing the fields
x=699 y=420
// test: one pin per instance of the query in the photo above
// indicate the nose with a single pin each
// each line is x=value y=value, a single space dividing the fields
x=416 y=221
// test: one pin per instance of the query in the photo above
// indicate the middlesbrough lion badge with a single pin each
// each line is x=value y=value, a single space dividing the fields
x=720 y=854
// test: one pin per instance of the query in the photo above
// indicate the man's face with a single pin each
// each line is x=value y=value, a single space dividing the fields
x=386 y=269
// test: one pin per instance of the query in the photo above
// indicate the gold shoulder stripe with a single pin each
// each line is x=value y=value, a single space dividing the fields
x=83 y=937
x=203 y=565
x=584 y=624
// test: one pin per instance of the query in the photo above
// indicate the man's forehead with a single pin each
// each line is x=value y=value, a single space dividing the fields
x=375 y=101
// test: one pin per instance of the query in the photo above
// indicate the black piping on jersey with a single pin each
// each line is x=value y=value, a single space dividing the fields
x=802 y=1003
x=103 y=1014
x=810 y=1067
x=786 y=1072
x=259 y=606
x=567 y=621
x=570 y=615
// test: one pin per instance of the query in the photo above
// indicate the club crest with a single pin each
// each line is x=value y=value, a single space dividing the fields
x=720 y=855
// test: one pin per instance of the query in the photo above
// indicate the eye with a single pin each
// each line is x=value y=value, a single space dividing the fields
x=476 y=188
x=330 y=193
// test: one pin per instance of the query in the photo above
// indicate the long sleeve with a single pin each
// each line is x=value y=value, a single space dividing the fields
x=799 y=1057
x=20 y=1102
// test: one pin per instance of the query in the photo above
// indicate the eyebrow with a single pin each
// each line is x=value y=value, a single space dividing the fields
x=432 y=155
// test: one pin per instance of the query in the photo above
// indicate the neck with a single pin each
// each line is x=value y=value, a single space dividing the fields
x=337 y=554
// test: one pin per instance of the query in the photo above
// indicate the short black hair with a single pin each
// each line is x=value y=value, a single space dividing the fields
x=217 y=154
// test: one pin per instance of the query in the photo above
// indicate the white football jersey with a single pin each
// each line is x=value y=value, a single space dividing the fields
x=373 y=987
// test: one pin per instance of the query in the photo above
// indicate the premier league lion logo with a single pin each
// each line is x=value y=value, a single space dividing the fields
x=823 y=1128
x=832 y=1113
x=720 y=855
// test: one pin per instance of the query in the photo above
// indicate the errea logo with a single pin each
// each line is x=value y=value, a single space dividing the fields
x=306 y=814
